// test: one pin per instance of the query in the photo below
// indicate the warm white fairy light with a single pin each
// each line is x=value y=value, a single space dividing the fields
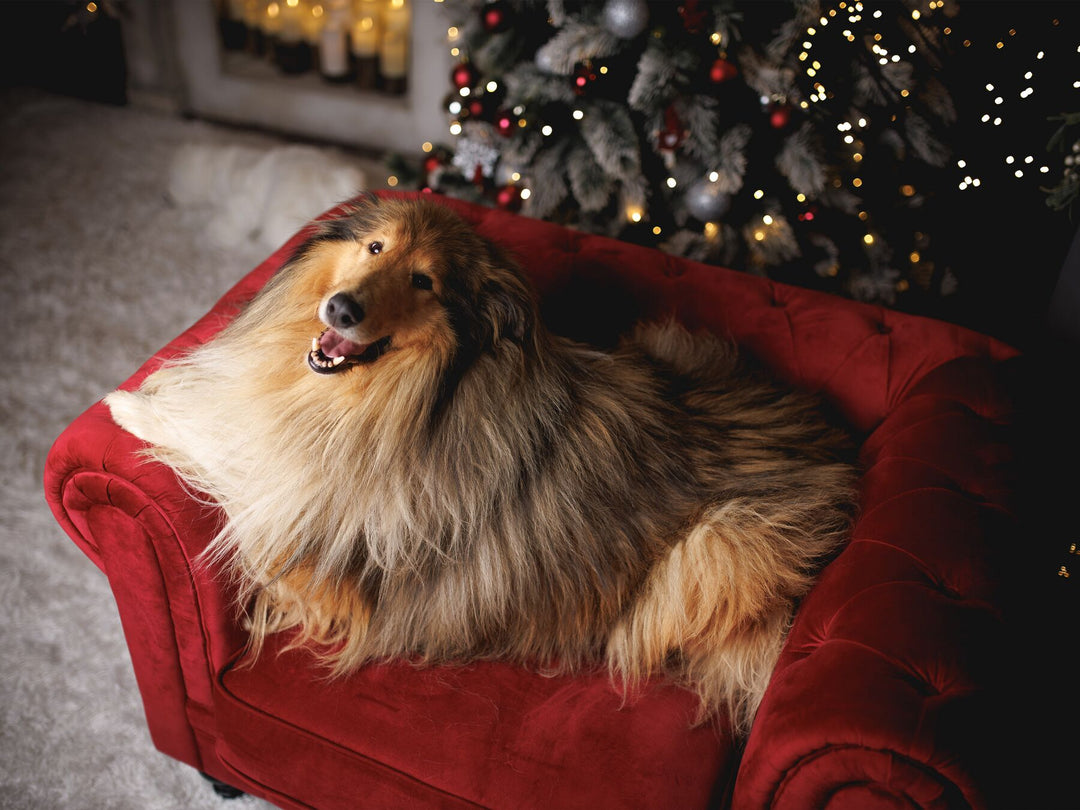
x=546 y=130
x=525 y=193
x=578 y=115
x=671 y=182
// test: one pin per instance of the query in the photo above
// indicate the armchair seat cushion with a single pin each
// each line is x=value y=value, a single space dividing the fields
x=485 y=734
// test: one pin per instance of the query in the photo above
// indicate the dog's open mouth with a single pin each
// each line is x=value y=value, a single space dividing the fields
x=332 y=352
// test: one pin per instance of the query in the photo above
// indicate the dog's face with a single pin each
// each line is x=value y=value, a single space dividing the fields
x=401 y=276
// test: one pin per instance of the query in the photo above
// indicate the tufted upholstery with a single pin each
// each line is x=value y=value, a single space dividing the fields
x=884 y=695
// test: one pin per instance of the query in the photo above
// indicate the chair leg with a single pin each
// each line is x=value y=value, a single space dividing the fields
x=222 y=789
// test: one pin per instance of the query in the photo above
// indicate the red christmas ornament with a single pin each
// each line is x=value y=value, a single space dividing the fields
x=780 y=116
x=496 y=17
x=476 y=108
x=722 y=70
x=504 y=123
x=431 y=163
x=508 y=198
x=692 y=16
x=673 y=134
x=464 y=75
x=584 y=75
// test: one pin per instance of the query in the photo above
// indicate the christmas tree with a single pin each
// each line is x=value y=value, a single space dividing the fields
x=813 y=142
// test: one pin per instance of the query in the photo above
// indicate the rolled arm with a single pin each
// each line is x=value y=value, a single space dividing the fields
x=885 y=693
x=139 y=525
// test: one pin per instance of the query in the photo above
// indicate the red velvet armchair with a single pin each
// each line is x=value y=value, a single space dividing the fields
x=884 y=695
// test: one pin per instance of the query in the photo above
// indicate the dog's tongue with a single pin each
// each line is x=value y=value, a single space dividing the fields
x=336 y=345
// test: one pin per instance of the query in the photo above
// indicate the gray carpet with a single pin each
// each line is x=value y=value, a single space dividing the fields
x=108 y=248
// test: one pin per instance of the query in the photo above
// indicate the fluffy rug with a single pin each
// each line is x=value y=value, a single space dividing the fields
x=118 y=228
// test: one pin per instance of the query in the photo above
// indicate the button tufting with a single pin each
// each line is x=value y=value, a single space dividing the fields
x=672 y=267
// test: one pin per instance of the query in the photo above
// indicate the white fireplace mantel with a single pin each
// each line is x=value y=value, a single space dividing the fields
x=304 y=105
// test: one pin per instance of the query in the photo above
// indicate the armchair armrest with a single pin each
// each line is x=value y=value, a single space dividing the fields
x=884 y=694
x=137 y=522
x=139 y=525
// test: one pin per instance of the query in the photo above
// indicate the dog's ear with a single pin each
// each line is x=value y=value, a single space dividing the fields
x=507 y=308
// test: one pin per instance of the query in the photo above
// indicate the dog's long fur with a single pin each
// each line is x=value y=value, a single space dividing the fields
x=486 y=489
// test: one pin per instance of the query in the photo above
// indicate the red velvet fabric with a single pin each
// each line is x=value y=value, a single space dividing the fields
x=882 y=698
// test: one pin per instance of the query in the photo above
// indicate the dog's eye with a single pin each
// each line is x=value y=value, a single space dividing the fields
x=421 y=282
x=375 y=247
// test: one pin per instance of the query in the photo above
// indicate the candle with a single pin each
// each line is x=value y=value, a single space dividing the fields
x=396 y=15
x=313 y=22
x=292 y=20
x=394 y=60
x=394 y=54
x=365 y=36
x=333 y=55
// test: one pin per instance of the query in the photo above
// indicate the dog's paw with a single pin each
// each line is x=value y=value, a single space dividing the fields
x=133 y=412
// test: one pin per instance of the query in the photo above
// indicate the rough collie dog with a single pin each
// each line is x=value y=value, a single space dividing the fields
x=411 y=465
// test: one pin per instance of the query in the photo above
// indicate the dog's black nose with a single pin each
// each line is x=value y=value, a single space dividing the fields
x=343 y=311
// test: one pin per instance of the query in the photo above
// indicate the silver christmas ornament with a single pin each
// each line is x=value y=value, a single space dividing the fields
x=544 y=61
x=626 y=18
x=706 y=202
